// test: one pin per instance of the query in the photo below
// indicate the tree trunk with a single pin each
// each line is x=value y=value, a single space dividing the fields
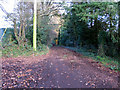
x=119 y=27
x=23 y=32
x=23 y=35
x=100 y=37
x=75 y=34
x=20 y=30
x=15 y=31
x=34 y=26
x=101 y=49
x=91 y=23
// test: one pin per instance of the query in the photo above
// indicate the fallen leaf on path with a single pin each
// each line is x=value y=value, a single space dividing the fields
x=29 y=70
x=67 y=76
x=61 y=73
x=68 y=84
x=56 y=69
x=40 y=78
x=110 y=72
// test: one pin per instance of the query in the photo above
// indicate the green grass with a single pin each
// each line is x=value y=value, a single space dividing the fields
x=112 y=63
x=15 y=51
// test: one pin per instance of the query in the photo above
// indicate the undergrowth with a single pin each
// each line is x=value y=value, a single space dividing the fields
x=15 y=50
x=111 y=63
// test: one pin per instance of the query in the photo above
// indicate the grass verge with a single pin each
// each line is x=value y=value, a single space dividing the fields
x=16 y=51
x=111 y=63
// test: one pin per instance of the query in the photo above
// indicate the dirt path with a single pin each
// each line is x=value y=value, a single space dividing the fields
x=60 y=68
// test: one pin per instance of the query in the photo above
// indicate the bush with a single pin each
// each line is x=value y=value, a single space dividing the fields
x=14 y=50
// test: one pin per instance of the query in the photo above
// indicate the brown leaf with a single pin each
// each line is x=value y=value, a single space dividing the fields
x=29 y=70
x=67 y=76
x=56 y=69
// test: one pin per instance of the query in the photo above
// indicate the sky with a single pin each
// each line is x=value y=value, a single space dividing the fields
x=9 y=5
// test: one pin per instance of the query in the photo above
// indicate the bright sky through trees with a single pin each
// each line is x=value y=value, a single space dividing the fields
x=10 y=4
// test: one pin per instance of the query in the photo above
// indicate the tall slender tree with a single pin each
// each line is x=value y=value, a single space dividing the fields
x=34 y=25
